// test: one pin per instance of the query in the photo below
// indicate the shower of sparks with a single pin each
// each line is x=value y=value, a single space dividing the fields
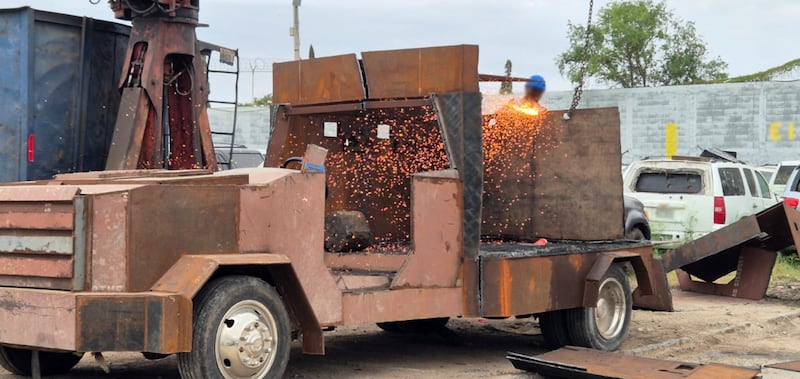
x=373 y=175
x=512 y=139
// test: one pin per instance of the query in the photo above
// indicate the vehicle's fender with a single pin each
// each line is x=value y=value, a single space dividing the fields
x=191 y=272
x=652 y=291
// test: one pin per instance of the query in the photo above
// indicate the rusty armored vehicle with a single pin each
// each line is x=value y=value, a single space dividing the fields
x=382 y=216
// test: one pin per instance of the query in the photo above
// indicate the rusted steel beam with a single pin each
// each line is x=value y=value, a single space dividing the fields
x=330 y=108
x=402 y=304
x=365 y=262
x=33 y=311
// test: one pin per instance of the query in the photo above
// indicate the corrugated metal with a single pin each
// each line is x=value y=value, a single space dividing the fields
x=57 y=83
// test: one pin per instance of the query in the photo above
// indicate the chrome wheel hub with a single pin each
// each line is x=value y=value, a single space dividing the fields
x=610 y=312
x=246 y=340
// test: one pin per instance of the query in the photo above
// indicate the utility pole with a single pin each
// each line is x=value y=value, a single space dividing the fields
x=295 y=31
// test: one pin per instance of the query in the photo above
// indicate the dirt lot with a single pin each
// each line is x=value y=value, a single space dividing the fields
x=703 y=329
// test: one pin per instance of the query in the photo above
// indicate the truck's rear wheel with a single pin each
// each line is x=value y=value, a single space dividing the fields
x=606 y=326
x=554 y=329
x=18 y=361
x=241 y=330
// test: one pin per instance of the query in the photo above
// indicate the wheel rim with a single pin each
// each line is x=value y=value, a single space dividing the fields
x=610 y=312
x=246 y=341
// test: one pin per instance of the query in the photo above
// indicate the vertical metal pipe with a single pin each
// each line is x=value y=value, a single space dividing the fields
x=296 y=29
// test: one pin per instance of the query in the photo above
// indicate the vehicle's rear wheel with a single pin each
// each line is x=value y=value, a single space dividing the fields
x=18 y=361
x=554 y=328
x=606 y=326
x=415 y=326
x=241 y=330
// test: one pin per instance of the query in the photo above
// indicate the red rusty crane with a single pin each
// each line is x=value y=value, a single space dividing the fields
x=163 y=120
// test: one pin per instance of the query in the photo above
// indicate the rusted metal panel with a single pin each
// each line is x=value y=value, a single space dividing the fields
x=320 y=80
x=45 y=319
x=546 y=177
x=362 y=282
x=108 y=261
x=188 y=275
x=539 y=281
x=580 y=363
x=25 y=244
x=53 y=266
x=168 y=221
x=271 y=211
x=401 y=304
x=712 y=244
x=365 y=262
x=789 y=366
x=419 y=72
x=126 y=145
x=437 y=230
x=152 y=322
x=753 y=272
x=747 y=247
x=38 y=193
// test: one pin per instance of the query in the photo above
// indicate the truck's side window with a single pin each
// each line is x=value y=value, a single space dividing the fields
x=765 y=192
x=751 y=182
x=732 y=182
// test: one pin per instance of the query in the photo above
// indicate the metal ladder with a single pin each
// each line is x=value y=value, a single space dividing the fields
x=228 y=57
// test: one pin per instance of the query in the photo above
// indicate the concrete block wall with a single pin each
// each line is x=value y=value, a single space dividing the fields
x=760 y=121
x=252 y=125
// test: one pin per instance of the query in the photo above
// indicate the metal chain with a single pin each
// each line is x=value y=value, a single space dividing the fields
x=576 y=96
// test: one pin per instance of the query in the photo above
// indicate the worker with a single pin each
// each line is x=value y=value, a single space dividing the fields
x=529 y=104
x=534 y=90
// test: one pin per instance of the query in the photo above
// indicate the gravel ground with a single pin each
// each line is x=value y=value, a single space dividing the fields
x=703 y=329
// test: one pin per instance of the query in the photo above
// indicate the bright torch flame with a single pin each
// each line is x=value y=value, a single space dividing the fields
x=528 y=109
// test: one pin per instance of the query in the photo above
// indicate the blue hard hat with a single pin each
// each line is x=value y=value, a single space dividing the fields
x=537 y=82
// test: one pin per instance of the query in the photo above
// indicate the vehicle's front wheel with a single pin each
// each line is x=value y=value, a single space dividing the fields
x=241 y=329
x=606 y=326
x=18 y=361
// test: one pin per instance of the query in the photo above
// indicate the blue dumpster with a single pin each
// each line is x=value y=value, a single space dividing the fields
x=58 y=92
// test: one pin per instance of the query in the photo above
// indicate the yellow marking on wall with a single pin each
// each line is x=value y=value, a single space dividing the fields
x=790 y=132
x=775 y=131
x=671 y=140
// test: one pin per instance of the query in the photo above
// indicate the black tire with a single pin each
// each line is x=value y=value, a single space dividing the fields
x=241 y=306
x=636 y=234
x=427 y=325
x=584 y=329
x=18 y=361
x=554 y=329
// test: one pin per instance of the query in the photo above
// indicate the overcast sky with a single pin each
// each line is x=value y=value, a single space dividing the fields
x=749 y=35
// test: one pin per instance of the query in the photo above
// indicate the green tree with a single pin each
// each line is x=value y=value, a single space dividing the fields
x=263 y=101
x=311 y=54
x=639 y=43
x=507 y=88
